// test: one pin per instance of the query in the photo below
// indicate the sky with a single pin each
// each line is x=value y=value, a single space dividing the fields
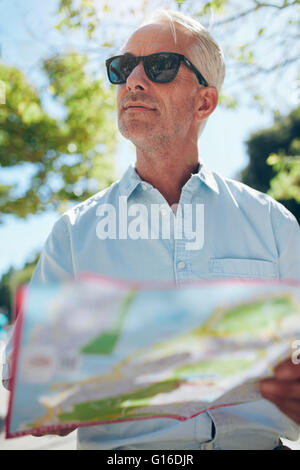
x=25 y=37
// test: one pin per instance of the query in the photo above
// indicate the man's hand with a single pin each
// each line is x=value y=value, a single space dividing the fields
x=59 y=432
x=284 y=389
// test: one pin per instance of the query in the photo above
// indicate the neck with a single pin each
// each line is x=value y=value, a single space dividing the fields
x=167 y=169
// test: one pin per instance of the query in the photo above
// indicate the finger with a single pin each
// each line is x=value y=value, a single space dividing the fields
x=284 y=389
x=38 y=433
x=65 y=432
x=59 y=432
x=287 y=370
x=290 y=408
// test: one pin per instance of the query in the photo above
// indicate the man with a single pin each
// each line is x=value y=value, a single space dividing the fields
x=164 y=101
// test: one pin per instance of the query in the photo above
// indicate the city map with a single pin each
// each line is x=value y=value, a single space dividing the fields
x=99 y=351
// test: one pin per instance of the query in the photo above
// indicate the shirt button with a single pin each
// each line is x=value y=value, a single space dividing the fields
x=144 y=187
x=163 y=211
x=181 y=265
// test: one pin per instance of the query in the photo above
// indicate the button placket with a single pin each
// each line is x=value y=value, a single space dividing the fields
x=181 y=254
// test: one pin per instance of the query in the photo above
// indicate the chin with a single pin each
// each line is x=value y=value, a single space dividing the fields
x=135 y=130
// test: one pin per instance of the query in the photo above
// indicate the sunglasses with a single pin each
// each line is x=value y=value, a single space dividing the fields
x=161 y=67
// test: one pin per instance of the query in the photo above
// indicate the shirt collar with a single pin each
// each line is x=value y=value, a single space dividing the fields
x=131 y=179
x=207 y=177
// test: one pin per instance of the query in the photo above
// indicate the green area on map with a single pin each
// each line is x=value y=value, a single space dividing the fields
x=106 y=342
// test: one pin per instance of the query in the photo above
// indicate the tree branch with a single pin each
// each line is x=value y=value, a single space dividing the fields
x=285 y=4
x=230 y=19
x=257 y=6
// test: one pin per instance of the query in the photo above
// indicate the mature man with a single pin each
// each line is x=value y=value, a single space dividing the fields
x=168 y=78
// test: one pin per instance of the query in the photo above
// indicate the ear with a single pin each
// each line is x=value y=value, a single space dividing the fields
x=206 y=102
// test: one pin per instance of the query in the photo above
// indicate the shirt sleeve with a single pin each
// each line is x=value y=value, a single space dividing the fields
x=56 y=260
x=55 y=264
x=287 y=235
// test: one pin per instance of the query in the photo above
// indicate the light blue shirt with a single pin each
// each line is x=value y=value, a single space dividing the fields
x=239 y=232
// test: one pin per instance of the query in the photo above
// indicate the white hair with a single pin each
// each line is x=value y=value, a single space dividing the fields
x=204 y=53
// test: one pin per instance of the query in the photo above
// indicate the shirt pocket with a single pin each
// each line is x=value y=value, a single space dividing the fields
x=243 y=267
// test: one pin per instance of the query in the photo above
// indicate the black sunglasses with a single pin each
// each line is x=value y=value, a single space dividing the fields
x=161 y=67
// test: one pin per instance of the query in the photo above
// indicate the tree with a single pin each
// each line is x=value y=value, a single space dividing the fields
x=71 y=155
x=274 y=165
x=286 y=184
x=9 y=283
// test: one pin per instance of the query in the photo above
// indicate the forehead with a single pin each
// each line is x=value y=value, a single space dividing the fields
x=158 y=38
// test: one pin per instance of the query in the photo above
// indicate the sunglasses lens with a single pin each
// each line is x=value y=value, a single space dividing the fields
x=161 y=67
x=120 y=68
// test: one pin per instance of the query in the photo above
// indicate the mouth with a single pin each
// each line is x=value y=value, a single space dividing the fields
x=138 y=107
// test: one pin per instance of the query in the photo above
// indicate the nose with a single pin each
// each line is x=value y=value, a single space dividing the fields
x=138 y=79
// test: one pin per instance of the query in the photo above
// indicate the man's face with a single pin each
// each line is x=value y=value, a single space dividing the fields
x=169 y=107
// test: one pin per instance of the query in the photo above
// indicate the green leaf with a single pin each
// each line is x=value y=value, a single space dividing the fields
x=32 y=113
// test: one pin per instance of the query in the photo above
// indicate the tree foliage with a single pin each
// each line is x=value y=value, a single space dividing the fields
x=286 y=184
x=72 y=155
x=9 y=283
x=274 y=165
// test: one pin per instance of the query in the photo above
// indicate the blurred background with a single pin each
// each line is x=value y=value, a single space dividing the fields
x=59 y=142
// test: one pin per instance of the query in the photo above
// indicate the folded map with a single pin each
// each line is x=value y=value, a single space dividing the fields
x=97 y=351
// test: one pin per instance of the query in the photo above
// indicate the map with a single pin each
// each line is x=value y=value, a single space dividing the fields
x=97 y=351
